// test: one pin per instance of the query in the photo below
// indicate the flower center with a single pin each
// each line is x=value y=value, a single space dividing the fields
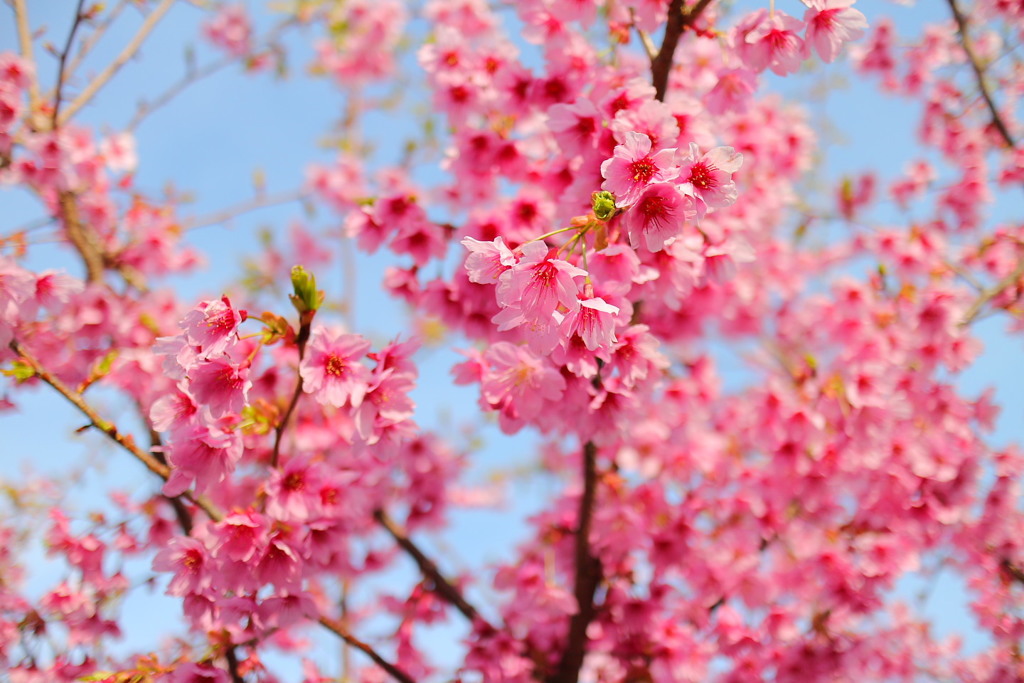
x=294 y=482
x=652 y=206
x=642 y=170
x=335 y=366
x=701 y=176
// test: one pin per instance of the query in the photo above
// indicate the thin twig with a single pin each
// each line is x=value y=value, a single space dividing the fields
x=645 y=40
x=190 y=78
x=979 y=73
x=126 y=441
x=254 y=204
x=85 y=47
x=61 y=62
x=442 y=586
x=587 y=578
x=127 y=53
x=300 y=340
x=338 y=628
x=992 y=292
x=25 y=44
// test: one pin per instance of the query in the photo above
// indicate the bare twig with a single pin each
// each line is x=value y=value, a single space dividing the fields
x=339 y=629
x=152 y=463
x=127 y=53
x=300 y=340
x=992 y=292
x=25 y=44
x=979 y=73
x=191 y=77
x=442 y=586
x=87 y=43
x=588 y=576
x=61 y=63
x=260 y=201
x=678 y=20
x=645 y=40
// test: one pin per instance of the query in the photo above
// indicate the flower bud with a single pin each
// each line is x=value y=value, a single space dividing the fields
x=603 y=203
x=306 y=298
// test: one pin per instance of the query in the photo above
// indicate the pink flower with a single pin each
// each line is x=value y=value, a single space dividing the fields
x=830 y=23
x=732 y=93
x=189 y=560
x=293 y=491
x=240 y=535
x=539 y=282
x=203 y=672
x=518 y=383
x=633 y=168
x=212 y=326
x=709 y=178
x=594 y=321
x=331 y=370
x=230 y=30
x=776 y=45
x=576 y=126
x=172 y=411
x=205 y=454
x=656 y=217
x=487 y=260
x=220 y=385
x=387 y=403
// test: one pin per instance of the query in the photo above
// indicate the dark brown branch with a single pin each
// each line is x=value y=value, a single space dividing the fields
x=979 y=73
x=300 y=340
x=339 y=629
x=588 y=576
x=232 y=659
x=1012 y=570
x=678 y=20
x=61 y=64
x=442 y=586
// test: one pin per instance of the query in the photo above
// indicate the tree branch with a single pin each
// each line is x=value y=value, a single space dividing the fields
x=126 y=442
x=588 y=576
x=99 y=29
x=61 y=62
x=339 y=629
x=192 y=76
x=25 y=44
x=979 y=74
x=261 y=201
x=301 y=338
x=442 y=586
x=678 y=20
x=1015 y=572
x=987 y=295
x=127 y=53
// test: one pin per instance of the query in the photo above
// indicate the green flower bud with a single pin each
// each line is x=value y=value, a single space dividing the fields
x=306 y=298
x=604 y=204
